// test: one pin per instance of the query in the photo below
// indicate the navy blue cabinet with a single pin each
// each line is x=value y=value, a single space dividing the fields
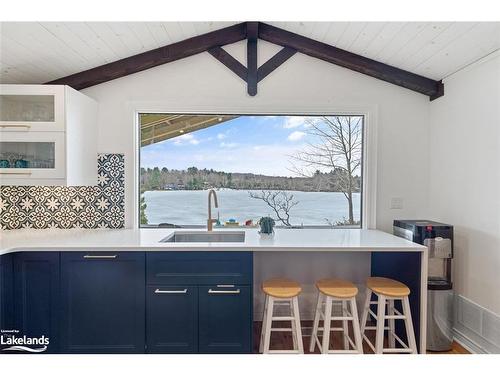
x=6 y=292
x=2 y=294
x=200 y=267
x=172 y=319
x=36 y=296
x=130 y=302
x=103 y=302
x=225 y=319
x=214 y=315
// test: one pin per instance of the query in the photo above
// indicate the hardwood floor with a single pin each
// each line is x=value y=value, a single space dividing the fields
x=456 y=348
x=283 y=340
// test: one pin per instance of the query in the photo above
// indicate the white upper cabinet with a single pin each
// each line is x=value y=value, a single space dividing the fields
x=32 y=156
x=48 y=136
x=32 y=108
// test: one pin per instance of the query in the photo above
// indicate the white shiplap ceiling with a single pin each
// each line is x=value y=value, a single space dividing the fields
x=37 y=52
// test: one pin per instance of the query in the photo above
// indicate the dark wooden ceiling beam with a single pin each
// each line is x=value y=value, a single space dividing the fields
x=150 y=59
x=440 y=91
x=350 y=60
x=274 y=62
x=229 y=61
x=252 y=31
x=252 y=36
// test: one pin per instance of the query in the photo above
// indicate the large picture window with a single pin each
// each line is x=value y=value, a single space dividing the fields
x=300 y=170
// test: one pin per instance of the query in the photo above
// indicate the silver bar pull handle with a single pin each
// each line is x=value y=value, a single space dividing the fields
x=100 y=256
x=159 y=291
x=211 y=291
x=16 y=173
x=27 y=127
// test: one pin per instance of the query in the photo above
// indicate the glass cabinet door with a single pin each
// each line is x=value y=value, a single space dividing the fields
x=23 y=108
x=31 y=155
x=19 y=155
x=27 y=108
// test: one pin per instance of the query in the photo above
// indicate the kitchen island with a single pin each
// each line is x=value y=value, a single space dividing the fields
x=162 y=268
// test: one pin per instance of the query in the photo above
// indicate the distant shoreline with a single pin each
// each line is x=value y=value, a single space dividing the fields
x=193 y=178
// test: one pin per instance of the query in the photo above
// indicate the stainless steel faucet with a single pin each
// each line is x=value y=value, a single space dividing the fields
x=211 y=221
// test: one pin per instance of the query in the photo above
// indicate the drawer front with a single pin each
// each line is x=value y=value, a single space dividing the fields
x=199 y=268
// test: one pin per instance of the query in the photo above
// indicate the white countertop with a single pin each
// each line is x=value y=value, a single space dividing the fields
x=148 y=239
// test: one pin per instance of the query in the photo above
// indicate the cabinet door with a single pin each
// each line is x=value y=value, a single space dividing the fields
x=103 y=302
x=6 y=292
x=225 y=319
x=32 y=108
x=172 y=319
x=26 y=157
x=36 y=296
x=2 y=294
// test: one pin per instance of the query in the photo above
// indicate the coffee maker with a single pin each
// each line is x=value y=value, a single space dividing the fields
x=438 y=238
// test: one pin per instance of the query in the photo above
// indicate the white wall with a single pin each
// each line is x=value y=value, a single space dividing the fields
x=465 y=176
x=301 y=85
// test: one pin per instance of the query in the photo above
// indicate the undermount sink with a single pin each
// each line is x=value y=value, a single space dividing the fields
x=199 y=236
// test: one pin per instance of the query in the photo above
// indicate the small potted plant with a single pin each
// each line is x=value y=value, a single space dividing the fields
x=266 y=225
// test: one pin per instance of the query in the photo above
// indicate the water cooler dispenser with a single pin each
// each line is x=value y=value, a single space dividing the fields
x=438 y=238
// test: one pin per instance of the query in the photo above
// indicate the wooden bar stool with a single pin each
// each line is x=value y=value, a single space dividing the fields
x=388 y=291
x=281 y=292
x=340 y=292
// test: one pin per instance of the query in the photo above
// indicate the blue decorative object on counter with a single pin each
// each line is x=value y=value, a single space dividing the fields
x=266 y=225
x=4 y=163
x=21 y=163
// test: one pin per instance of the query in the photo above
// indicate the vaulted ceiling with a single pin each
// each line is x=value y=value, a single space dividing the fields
x=36 y=52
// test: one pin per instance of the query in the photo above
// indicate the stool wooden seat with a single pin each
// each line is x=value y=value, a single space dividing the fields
x=387 y=287
x=388 y=292
x=281 y=292
x=337 y=288
x=342 y=293
x=281 y=288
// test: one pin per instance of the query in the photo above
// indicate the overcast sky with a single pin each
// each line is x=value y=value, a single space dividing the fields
x=249 y=144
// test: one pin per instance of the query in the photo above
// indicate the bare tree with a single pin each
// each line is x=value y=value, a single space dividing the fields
x=280 y=201
x=338 y=149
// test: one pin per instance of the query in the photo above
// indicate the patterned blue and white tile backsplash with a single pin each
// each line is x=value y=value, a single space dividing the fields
x=91 y=207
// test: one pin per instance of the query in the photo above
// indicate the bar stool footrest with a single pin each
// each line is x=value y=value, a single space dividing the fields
x=281 y=330
x=283 y=318
x=396 y=350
